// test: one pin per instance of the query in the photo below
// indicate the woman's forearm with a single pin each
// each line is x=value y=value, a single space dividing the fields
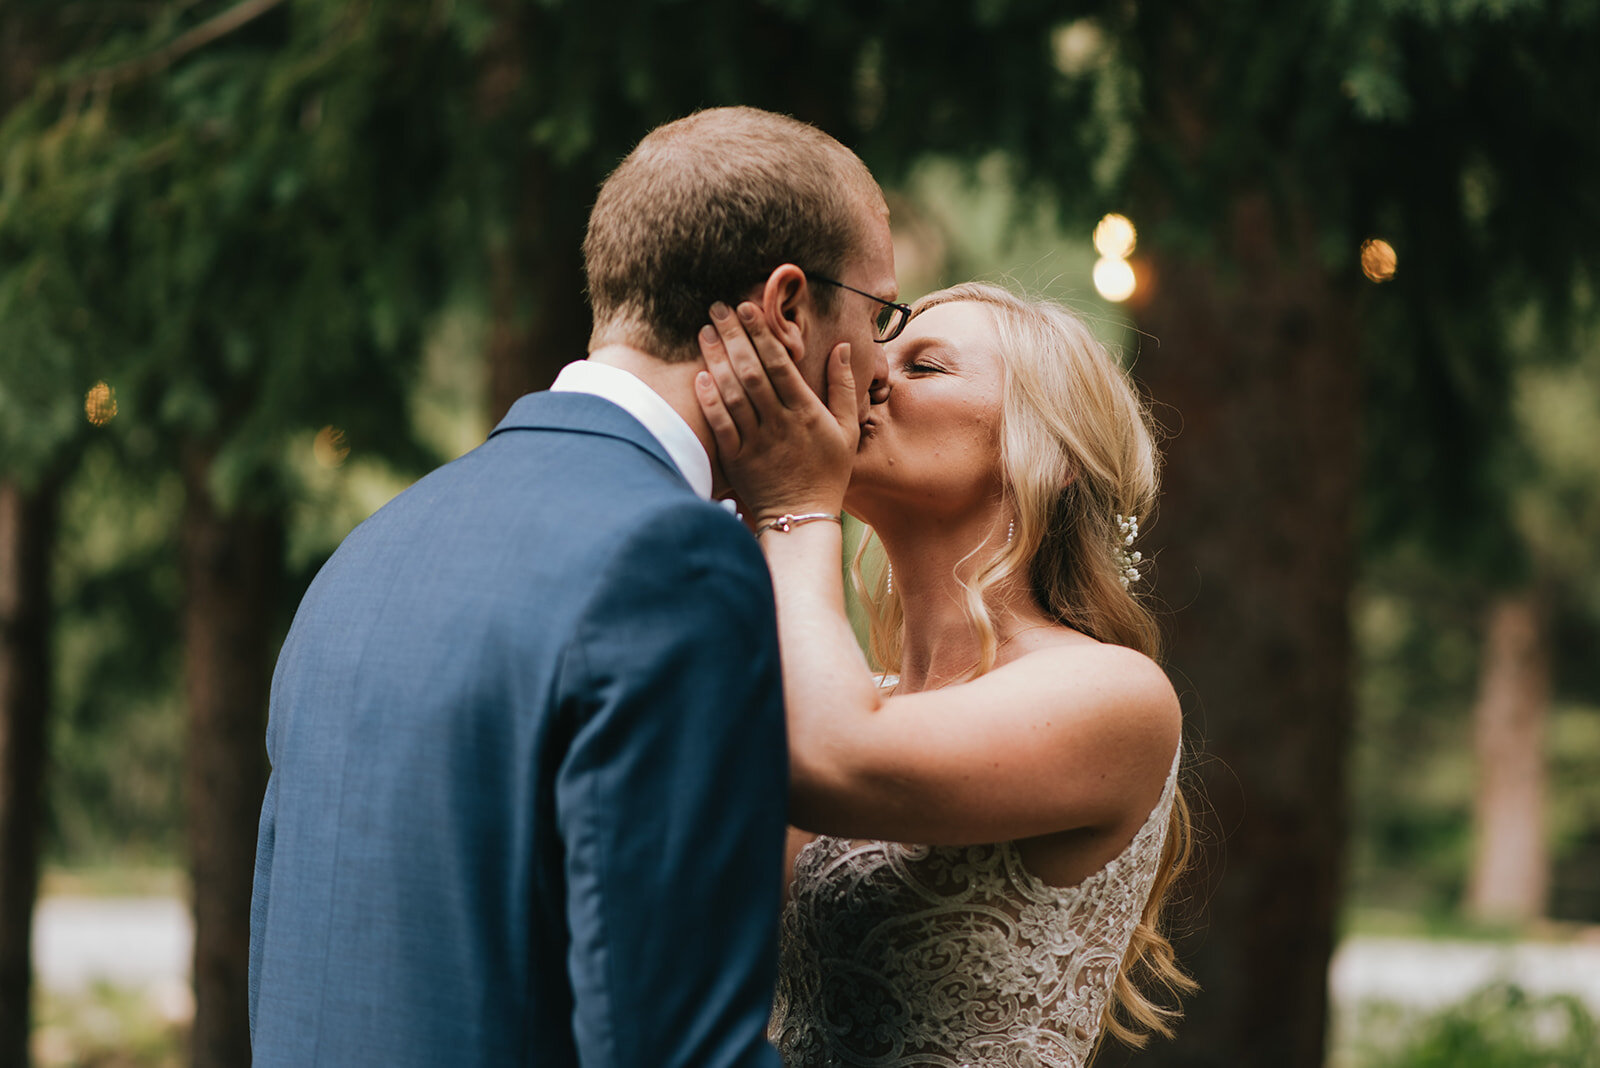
x=826 y=682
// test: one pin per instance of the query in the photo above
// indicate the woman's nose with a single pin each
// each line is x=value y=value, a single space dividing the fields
x=878 y=392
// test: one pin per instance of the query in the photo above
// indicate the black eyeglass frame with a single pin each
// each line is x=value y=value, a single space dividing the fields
x=903 y=309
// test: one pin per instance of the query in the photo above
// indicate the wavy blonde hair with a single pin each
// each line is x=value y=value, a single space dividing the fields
x=1077 y=450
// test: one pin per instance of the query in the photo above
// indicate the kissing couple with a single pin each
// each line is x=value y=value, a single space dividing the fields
x=570 y=766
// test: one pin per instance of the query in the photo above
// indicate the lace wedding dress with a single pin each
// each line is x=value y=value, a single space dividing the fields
x=909 y=956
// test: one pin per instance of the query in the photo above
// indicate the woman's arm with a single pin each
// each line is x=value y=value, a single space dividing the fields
x=1063 y=738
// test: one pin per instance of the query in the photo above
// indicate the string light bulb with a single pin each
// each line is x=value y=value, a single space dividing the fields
x=100 y=404
x=1115 y=236
x=1378 y=259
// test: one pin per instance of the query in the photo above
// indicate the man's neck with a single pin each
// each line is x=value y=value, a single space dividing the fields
x=673 y=383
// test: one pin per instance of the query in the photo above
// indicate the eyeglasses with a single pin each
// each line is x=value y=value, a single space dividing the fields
x=891 y=319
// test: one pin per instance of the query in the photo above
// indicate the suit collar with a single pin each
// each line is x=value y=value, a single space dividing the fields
x=633 y=395
x=583 y=413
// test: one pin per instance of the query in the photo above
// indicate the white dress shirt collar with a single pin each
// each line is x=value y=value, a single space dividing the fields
x=628 y=392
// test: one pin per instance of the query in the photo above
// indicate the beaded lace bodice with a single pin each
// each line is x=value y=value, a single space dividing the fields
x=910 y=956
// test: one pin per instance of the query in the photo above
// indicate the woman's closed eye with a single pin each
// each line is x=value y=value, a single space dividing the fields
x=926 y=356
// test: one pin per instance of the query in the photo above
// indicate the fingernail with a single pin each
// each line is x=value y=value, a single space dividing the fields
x=719 y=310
x=747 y=312
x=709 y=334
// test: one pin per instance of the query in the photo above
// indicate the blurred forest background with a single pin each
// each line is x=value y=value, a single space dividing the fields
x=263 y=262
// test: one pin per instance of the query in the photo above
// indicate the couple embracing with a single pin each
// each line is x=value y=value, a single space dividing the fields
x=572 y=767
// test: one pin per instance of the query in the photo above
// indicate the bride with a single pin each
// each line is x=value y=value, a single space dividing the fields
x=1000 y=818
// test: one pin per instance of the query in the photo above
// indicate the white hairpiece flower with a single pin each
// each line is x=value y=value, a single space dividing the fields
x=1127 y=562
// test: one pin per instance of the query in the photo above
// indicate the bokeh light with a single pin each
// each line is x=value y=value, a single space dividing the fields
x=1115 y=237
x=1378 y=259
x=100 y=404
x=1114 y=279
x=1077 y=47
x=330 y=447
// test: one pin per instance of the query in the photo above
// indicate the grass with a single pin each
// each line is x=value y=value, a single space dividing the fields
x=114 y=880
x=110 y=1027
x=1395 y=923
x=1499 y=1026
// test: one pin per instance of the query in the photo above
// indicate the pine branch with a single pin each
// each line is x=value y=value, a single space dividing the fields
x=207 y=32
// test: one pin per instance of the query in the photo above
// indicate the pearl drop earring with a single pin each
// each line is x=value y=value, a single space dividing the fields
x=1011 y=527
x=888 y=587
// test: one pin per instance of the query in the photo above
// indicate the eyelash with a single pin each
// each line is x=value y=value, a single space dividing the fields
x=922 y=367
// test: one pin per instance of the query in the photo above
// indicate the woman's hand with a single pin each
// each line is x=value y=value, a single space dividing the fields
x=781 y=448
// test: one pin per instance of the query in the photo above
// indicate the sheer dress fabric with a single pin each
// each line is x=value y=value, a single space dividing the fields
x=914 y=956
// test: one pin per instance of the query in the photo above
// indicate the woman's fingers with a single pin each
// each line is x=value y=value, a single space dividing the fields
x=787 y=384
x=748 y=367
x=842 y=400
x=723 y=429
x=772 y=454
x=735 y=402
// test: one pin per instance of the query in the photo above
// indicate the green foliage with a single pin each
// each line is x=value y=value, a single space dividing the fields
x=1412 y=766
x=1462 y=178
x=1500 y=1026
x=1413 y=769
x=1554 y=474
x=1574 y=814
x=1419 y=622
x=114 y=792
x=229 y=237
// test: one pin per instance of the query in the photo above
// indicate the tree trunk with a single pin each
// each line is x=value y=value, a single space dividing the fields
x=1511 y=863
x=232 y=570
x=27 y=533
x=1251 y=364
x=539 y=314
x=28 y=518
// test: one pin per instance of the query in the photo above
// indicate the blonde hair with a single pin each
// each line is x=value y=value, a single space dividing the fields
x=707 y=206
x=1077 y=450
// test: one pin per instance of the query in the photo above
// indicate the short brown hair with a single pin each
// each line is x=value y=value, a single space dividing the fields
x=706 y=207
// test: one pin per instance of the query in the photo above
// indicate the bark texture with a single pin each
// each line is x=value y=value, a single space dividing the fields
x=1511 y=861
x=1252 y=368
x=540 y=315
x=232 y=570
x=539 y=312
x=27 y=531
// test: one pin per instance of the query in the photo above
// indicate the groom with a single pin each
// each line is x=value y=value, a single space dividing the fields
x=528 y=789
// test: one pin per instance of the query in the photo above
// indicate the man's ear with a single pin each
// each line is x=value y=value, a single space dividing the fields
x=786 y=303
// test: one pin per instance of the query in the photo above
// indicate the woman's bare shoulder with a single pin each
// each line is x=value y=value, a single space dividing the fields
x=1125 y=688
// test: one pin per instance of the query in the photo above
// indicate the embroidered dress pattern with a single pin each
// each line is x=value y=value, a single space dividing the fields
x=910 y=956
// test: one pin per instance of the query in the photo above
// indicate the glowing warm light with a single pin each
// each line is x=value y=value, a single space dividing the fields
x=1077 y=46
x=1378 y=259
x=1115 y=236
x=100 y=404
x=1114 y=280
x=330 y=448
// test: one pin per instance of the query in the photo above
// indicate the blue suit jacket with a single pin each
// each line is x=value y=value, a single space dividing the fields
x=528 y=772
